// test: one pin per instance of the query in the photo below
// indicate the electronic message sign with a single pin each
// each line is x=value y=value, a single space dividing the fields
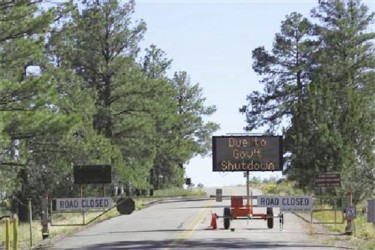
x=92 y=174
x=246 y=153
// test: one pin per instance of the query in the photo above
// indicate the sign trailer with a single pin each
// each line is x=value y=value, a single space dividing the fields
x=247 y=153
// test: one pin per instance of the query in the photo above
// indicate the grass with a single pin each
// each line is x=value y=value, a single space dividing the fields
x=364 y=232
x=36 y=228
x=180 y=192
x=76 y=218
x=283 y=188
x=330 y=217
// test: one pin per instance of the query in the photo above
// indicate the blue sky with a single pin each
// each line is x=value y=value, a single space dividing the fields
x=212 y=41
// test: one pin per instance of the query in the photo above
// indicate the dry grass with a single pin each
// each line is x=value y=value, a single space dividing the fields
x=363 y=235
x=54 y=231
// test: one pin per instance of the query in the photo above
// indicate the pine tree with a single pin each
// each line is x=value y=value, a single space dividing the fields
x=331 y=116
x=335 y=130
x=193 y=130
x=27 y=94
x=285 y=71
x=346 y=68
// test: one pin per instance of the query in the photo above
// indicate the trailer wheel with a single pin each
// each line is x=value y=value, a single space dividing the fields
x=226 y=217
x=270 y=220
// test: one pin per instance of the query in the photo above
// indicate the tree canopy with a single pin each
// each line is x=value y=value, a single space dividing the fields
x=74 y=91
x=319 y=92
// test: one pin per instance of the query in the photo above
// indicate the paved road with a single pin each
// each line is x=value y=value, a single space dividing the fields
x=185 y=224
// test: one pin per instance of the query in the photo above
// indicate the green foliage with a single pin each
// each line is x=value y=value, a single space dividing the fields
x=281 y=187
x=319 y=78
x=99 y=44
x=28 y=94
x=285 y=74
x=191 y=109
x=174 y=192
x=74 y=92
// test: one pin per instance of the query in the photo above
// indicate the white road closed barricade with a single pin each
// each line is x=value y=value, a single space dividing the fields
x=78 y=204
x=287 y=203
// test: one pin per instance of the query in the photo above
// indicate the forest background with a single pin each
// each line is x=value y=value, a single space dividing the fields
x=76 y=89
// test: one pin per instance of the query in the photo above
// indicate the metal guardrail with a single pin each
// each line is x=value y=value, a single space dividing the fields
x=253 y=202
x=3 y=217
x=320 y=203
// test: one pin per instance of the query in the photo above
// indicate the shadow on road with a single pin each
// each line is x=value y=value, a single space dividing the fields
x=159 y=231
x=202 y=244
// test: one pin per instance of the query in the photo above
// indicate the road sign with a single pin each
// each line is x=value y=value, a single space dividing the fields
x=328 y=180
x=371 y=211
x=188 y=181
x=246 y=153
x=350 y=213
x=286 y=203
x=79 y=204
x=125 y=205
x=219 y=195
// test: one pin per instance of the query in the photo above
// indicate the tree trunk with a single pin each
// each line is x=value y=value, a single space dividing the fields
x=19 y=204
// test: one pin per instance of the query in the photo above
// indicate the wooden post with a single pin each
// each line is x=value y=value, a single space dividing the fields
x=335 y=207
x=15 y=233
x=7 y=234
x=30 y=222
x=349 y=223
x=45 y=230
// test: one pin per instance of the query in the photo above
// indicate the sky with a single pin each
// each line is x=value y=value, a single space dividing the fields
x=212 y=41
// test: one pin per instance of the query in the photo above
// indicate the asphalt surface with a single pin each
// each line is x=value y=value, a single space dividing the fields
x=186 y=224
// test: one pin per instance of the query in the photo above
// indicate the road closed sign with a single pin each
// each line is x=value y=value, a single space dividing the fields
x=79 y=204
x=287 y=203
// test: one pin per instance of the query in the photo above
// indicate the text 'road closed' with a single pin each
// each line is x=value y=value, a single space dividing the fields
x=90 y=203
x=286 y=203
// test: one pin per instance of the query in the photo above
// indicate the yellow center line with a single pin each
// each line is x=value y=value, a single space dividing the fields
x=203 y=215
x=189 y=230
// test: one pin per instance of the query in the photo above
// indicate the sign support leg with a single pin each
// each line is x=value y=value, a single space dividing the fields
x=247 y=188
x=248 y=194
x=281 y=221
x=83 y=211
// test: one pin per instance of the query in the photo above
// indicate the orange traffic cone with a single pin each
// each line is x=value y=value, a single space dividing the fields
x=213 y=221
